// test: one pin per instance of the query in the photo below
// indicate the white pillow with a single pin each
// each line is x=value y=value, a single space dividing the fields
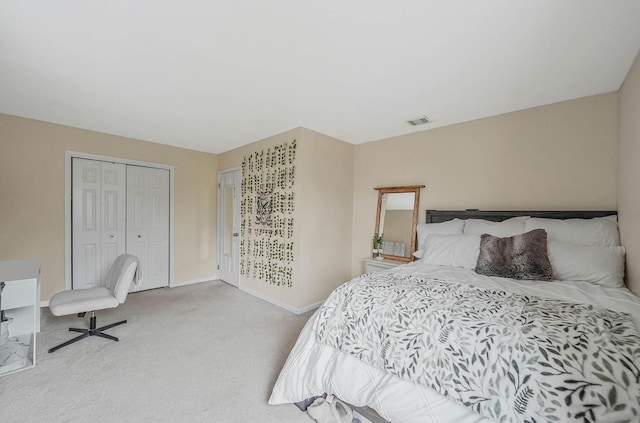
x=599 y=265
x=599 y=231
x=450 y=227
x=506 y=228
x=418 y=253
x=452 y=250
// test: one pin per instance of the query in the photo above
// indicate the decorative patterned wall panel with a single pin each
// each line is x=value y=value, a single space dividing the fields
x=267 y=205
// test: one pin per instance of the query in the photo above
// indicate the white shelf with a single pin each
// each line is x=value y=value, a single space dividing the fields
x=21 y=302
x=15 y=354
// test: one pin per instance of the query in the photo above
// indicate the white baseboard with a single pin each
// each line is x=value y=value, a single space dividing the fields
x=280 y=304
x=173 y=285
x=247 y=290
x=192 y=281
x=309 y=307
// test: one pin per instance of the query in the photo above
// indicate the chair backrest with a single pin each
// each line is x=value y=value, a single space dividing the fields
x=121 y=275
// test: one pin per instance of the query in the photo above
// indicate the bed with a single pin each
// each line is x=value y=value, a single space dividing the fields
x=506 y=316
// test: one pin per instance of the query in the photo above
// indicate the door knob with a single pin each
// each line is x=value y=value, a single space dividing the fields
x=236 y=234
x=139 y=236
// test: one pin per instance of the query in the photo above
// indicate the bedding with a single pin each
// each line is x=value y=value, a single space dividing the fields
x=452 y=250
x=522 y=256
x=502 y=355
x=451 y=227
x=597 y=231
x=587 y=332
x=599 y=265
x=505 y=228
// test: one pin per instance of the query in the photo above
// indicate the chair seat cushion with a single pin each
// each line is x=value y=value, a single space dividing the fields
x=81 y=300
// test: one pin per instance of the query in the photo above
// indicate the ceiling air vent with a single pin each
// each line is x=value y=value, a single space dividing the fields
x=419 y=121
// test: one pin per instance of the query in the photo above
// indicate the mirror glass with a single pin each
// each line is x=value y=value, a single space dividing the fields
x=396 y=221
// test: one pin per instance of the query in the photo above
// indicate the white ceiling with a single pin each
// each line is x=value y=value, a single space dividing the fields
x=212 y=75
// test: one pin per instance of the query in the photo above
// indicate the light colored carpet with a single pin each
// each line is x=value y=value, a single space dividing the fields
x=205 y=352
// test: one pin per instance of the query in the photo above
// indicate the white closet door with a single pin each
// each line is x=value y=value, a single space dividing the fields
x=98 y=216
x=148 y=223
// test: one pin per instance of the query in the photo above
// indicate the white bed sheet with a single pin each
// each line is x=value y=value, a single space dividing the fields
x=313 y=368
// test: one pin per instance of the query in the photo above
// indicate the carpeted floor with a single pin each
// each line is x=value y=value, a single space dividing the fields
x=205 y=352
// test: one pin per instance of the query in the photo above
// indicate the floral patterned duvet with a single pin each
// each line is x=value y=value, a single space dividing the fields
x=507 y=356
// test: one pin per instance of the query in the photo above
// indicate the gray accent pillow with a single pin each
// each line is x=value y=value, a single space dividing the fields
x=521 y=256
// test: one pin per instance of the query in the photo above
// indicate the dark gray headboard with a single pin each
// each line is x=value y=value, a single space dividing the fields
x=436 y=216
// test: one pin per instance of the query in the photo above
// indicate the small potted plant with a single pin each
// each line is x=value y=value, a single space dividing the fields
x=377 y=246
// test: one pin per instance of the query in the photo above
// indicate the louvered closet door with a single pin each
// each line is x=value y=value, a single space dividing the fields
x=148 y=223
x=98 y=219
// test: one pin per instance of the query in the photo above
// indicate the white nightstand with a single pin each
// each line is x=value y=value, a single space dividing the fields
x=373 y=265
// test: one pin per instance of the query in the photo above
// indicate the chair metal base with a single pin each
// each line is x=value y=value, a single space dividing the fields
x=89 y=332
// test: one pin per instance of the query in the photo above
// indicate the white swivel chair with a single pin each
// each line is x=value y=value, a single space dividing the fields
x=79 y=301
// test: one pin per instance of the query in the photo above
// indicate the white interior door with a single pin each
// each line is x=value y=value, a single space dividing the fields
x=148 y=223
x=229 y=226
x=98 y=216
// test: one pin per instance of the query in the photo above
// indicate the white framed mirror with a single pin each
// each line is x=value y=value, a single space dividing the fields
x=396 y=220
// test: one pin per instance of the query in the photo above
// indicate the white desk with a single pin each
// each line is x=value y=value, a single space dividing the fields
x=20 y=301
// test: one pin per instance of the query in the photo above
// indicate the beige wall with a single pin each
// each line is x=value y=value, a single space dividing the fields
x=322 y=216
x=560 y=156
x=32 y=189
x=629 y=174
x=233 y=158
x=326 y=198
